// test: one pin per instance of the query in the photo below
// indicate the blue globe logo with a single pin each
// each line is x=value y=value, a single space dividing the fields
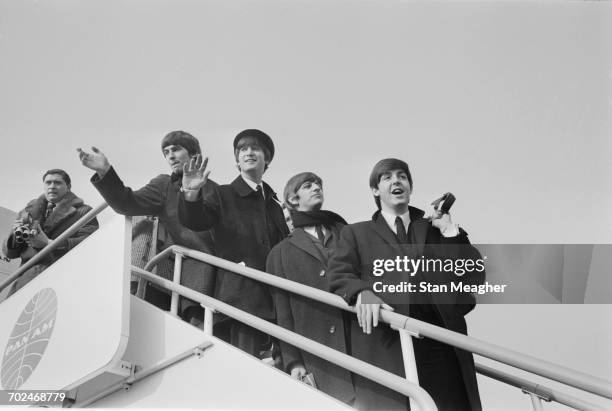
x=29 y=339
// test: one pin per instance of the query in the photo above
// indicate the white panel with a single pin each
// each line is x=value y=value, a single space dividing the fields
x=156 y=335
x=224 y=377
x=90 y=329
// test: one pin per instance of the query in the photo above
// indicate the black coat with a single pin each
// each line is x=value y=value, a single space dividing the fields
x=296 y=258
x=67 y=212
x=159 y=198
x=351 y=272
x=245 y=228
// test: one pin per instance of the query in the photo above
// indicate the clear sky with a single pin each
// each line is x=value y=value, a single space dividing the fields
x=506 y=104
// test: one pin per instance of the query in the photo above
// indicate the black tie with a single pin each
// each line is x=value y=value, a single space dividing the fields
x=320 y=234
x=260 y=191
x=402 y=237
x=50 y=207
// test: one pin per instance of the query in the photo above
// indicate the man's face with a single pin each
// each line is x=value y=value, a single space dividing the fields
x=393 y=189
x=309 y=196
x=55 y=188
x=251 y=157
x=176 y=156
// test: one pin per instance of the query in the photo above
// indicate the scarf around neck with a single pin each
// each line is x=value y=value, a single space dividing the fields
x=316 y=217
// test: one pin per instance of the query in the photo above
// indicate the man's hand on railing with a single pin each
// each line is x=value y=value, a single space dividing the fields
x=368 y=308
x=96 y=160
x=298 y=371
x=194 y=177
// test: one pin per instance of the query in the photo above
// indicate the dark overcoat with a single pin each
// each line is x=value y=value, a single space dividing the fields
x=66 y=212
x=351 y=271
x=296 y=258
x=159 y=198
x=245 y=227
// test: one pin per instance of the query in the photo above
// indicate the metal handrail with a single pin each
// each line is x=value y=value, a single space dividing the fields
x=528 y=363
x=545 y=369
x=161 y=256
x=53 y=244
x=546 y=393
x=386 y=378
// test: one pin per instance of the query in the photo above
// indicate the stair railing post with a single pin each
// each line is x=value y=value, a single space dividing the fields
x=176 y=279
x=410 y=368
x=536 y=401
x=208 y=320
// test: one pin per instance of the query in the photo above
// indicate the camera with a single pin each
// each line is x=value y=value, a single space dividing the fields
x=23 y=233
x=444 y=203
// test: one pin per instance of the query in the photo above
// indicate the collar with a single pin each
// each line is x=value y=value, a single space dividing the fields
x=63 y=208
x=251 y=184
x=254 y=185
x=312 y=230
x=414 y=213
x=242 y=187
x=390 y=219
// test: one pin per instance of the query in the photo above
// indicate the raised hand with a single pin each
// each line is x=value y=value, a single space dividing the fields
x=96 y=160
x=443 y=222
x=195 y=174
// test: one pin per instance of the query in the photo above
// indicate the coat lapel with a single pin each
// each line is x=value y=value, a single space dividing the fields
x=301 y=239
x=63 y=210
x=382 y=229
x=419 y=228
x=36 y=208
x=241 y=187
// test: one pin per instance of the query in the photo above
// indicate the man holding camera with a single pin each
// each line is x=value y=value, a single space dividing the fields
x=44 y=219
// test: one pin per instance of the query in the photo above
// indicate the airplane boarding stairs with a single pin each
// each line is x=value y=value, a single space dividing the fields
x=77 y=328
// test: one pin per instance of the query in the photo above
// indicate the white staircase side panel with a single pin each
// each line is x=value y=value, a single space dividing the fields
x=86 y=317
x=223 y=377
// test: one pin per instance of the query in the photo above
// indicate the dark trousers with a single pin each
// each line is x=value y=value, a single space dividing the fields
x=188 y=309
x=440 y=375
x=248 y=339
x=437 y=366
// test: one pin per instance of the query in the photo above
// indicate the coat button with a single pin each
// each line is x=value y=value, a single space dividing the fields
x=322 y=273
x=332 y=329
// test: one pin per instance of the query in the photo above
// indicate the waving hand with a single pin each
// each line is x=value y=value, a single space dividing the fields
x=96 y=160
x=195 y=174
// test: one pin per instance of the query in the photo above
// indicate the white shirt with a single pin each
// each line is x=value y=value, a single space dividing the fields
x=311 y=229
x=254 y=185
x=390 y=219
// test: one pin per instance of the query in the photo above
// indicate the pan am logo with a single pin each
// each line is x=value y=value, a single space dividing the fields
x=29 y=339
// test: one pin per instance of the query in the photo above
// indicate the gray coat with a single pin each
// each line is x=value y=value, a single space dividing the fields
x=297 y=259
x=159 y=198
